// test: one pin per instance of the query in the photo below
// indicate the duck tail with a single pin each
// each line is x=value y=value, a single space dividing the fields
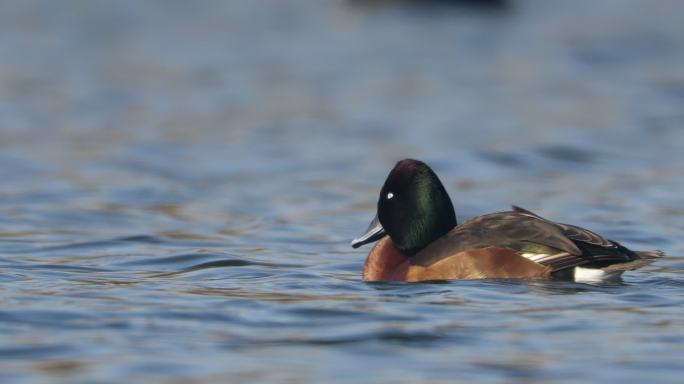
x=650 y=255
x=644 y=258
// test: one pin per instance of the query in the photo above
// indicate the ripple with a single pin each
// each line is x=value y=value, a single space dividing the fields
x=57 y=268
x=33 y=352
x=223 y=263
x=568 y=153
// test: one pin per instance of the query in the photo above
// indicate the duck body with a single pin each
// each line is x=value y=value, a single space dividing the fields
x=509 y=244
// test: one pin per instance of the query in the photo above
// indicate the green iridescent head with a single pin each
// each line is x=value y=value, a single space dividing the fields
x=414 y=209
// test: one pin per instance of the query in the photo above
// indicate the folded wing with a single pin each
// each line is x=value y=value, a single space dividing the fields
x=558 y=246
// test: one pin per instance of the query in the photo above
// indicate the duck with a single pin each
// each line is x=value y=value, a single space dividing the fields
x=418 y=239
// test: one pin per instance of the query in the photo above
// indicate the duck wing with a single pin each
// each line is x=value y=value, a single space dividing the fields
x=558 y=246
x=575 y=233
x=597 y=251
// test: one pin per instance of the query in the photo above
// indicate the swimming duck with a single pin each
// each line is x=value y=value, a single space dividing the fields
x=424 y=242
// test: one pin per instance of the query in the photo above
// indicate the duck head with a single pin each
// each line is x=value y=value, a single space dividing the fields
x=414 y=209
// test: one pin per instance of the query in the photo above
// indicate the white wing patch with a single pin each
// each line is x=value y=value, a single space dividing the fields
x=534 y=256
x=541 y=257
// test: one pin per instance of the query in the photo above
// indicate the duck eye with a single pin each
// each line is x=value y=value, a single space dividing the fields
x=390 y=195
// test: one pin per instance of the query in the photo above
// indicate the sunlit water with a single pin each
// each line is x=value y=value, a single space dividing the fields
x=179 y=183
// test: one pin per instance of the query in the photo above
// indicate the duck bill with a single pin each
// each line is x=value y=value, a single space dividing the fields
x=374 y=232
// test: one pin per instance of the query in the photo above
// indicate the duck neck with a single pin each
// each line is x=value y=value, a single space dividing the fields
x=385 y=263
x=434 y=224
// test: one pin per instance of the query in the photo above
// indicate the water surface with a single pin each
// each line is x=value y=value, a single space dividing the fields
x=179 y=185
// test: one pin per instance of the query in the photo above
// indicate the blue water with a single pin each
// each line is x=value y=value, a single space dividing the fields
x=179 y=183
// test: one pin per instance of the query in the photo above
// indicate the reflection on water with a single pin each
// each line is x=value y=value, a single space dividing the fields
x=179 y=185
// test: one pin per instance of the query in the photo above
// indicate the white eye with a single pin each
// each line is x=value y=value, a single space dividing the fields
x=390 y=195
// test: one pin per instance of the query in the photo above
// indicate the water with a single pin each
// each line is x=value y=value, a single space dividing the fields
x=179 y=185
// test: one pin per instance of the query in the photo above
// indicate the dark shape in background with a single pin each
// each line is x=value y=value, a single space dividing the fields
x=487 y=4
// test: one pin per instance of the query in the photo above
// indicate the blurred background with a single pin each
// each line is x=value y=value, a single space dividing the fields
x=179 y=183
